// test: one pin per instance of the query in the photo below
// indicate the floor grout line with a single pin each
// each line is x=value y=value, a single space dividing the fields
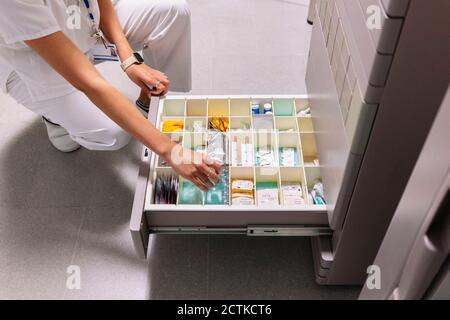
x=77 y=240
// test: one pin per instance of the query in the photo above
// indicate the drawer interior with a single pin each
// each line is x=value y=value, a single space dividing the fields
x=266 y=145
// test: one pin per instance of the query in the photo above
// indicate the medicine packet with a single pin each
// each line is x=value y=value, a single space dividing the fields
x=217 y=146
x=292 y=193
x=265 y=157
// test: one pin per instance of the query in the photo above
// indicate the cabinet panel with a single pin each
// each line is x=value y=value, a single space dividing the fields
x=396 y=8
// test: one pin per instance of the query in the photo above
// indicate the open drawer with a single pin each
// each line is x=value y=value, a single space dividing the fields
x=274 y=149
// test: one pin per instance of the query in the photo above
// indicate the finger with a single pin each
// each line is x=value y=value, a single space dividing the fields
x=154 y=79
x=208 y=180
x=164 y=87
x=150 y=80
x=200 y=185
x=145 y=89
x=159 y=88
x=159 y=85
x=163 y=80
x=214 y=164
x=209 y=172
x=217 y=166
x=149 y=85
x=162 y=74
x=200 y=172
x=204 y=180
x=159 y=91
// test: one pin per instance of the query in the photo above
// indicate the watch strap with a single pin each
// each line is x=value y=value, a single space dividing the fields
x=129 y=62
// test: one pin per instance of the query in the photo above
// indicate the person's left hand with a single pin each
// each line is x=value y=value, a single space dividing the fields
x=146 y=77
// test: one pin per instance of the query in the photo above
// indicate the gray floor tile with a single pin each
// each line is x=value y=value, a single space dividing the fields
x=272 y=29
x=82 y=178
x=36 y=248
x=19 y=158
x=109 y=266
x=178 y=266
x=10 y=109
x=115 y=176
x=201 y=75
x=63 y=180
x=265 y=268
x=237 y=74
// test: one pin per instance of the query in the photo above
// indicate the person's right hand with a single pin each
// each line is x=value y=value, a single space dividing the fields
x=146 y=77
x=194 y=166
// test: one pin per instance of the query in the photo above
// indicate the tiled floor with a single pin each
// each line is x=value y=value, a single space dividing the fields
x=59 y=209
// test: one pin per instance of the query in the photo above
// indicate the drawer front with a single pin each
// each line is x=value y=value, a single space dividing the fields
x=138 y=222
x=348 y=38
x=385 y=39
x=352 y=52
x=332 y=141
x=229 y=218
x=287 y=130
x=342 y=118
x=350 y=96
x=376 y=65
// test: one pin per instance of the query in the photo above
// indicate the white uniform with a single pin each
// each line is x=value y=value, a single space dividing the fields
x=161 y=28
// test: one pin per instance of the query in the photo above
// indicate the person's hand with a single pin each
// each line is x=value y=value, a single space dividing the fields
x=194 y=166
x=146 y=77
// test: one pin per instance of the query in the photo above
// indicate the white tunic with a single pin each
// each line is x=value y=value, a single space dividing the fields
x=22 y=20
x=160 y=28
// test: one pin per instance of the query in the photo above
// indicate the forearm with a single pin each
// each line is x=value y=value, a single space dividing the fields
x=143 y=75
x=66 y=59
x=110 y=25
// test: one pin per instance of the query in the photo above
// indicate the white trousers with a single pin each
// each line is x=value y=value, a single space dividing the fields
x=161 y=28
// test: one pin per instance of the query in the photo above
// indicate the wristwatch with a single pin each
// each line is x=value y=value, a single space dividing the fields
x=136 y=58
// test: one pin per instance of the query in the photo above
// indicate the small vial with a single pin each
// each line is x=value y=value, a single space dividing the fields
x=255 y=109
x=268 y=108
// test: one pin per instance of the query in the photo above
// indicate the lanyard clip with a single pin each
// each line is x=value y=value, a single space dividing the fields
x=98 y=34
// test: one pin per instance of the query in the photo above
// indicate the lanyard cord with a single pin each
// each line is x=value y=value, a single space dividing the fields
x=96 y=32
x=89 y=9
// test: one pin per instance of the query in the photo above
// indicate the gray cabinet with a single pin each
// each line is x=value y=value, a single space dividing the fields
x=367 y=89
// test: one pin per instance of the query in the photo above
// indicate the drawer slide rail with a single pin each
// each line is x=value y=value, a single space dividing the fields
x=290 y=231
x=252 y=231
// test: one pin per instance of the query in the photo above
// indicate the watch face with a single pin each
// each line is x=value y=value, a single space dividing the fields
x=139 y=57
